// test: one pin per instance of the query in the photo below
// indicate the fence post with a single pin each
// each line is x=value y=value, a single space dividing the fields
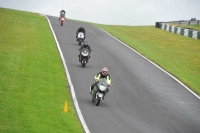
x=189 y=22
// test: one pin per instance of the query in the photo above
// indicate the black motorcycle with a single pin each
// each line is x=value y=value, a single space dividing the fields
x=84 y=56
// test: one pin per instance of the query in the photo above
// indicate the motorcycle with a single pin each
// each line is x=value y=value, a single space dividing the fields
x=62 y=20
x=99 y=90
x=84 y=56
x=80 y=38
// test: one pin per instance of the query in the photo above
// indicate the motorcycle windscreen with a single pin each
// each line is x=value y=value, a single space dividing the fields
x=100 y=94
x=102 y=85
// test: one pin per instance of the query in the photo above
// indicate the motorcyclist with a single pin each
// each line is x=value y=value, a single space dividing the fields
x=102 y=74
x=85 y=45
x=81 y=29
x=62 y=11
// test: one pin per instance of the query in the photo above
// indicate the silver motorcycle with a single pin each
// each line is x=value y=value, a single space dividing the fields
x=99 y=90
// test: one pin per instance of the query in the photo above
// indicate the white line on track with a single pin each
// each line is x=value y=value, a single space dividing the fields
x=70 y=84
x=153 y=63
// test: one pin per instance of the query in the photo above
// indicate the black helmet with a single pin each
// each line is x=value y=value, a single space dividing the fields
x=82 y=27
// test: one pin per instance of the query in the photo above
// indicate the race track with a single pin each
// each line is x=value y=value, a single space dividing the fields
x=144 y=99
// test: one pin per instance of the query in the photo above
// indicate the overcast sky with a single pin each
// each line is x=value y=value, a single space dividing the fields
x=117 y=12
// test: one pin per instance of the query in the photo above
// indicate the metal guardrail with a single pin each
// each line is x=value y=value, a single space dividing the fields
x=181 y=22
x=185 y=22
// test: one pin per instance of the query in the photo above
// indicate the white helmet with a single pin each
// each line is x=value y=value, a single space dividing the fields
x=105 y=71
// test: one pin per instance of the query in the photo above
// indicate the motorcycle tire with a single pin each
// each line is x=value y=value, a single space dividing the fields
x=83 y=65
x=83 y=62
x=98 y=101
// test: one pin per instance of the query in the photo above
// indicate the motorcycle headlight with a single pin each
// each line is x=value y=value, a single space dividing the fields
x=84 y=53
x=102 y=88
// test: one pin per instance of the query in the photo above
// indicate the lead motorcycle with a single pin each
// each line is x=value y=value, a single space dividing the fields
x=80 y=38
x=84 y=56
x=62 y=18
x=99 y=90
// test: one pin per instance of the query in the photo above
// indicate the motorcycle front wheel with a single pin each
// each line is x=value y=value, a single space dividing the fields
x=98 y=101
x=83 y=62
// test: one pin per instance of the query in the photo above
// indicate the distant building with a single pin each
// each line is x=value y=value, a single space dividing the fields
x=193 y=19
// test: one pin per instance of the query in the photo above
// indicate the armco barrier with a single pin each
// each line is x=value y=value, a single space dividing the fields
x=186 y=31
x=190 y=33
x=194 y=34
x=182 y=31
x=178 y=30
x=172 y=29
x=198 y=35
x=175 y=30
x=165 y=27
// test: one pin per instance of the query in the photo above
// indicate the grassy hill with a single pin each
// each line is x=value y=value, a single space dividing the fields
x=33 y=85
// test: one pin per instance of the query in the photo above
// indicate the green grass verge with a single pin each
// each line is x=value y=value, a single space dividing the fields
x=177 y=54
x=33 y=84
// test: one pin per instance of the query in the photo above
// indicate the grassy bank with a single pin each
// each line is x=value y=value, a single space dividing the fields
x=177 y=54
x=33 y=85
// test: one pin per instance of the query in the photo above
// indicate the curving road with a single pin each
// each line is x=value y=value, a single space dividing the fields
x=144 y=99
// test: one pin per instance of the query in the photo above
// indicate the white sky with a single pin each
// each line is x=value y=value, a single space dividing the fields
x=116 y=12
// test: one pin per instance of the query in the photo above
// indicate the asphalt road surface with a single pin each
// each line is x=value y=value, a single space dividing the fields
x=144 y=99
